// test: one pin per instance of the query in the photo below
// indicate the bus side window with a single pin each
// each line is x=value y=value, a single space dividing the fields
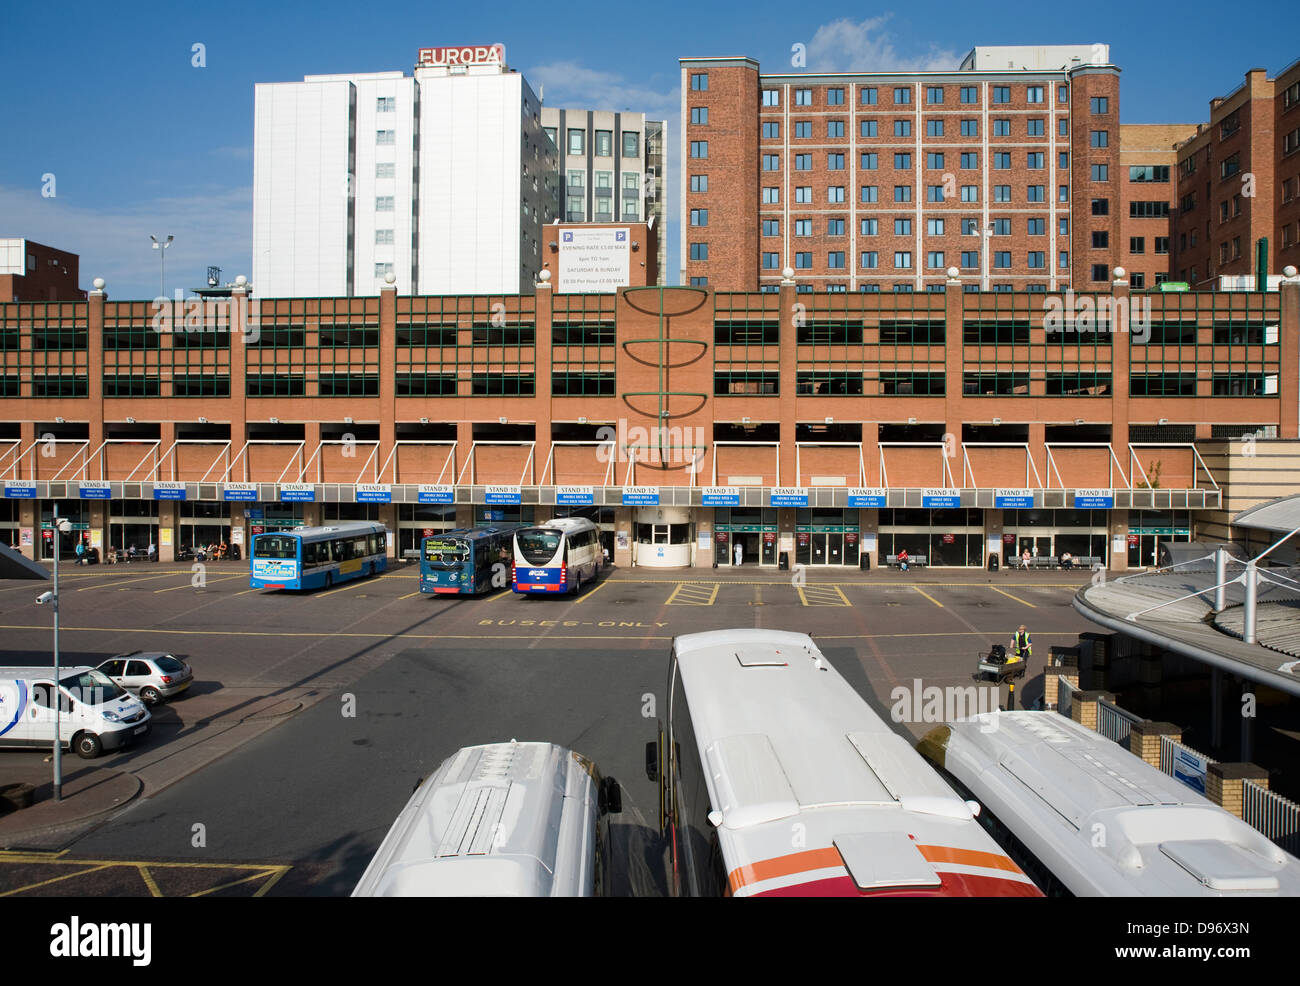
x=336 y=551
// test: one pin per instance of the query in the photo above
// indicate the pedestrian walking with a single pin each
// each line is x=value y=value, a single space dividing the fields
x=739 y=553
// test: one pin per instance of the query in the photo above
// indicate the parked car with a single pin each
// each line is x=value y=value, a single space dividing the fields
x=153 y=676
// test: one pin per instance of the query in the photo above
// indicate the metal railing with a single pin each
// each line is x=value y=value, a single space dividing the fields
x=1175 y=755
x=1113 y=722
x=1064 y=695
x=1271 y=814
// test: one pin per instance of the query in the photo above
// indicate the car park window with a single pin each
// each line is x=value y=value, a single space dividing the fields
x=169 y=664
x=41 y=696
x=112 y=668
x=137 y=668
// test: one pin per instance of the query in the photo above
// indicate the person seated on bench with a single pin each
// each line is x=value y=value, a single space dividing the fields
x=902 y=559
x=1067 y=561
x=1024 y=558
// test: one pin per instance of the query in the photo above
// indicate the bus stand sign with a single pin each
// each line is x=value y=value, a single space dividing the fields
x=575 y=496
x=169 y=491
x=1013 y=499
x=867 y=496
x=641 y=496
x=297 y=493
x=436 y=493
x=721 y=496
x=788 y=496
x=374 y=493
x=239 y=491
x=95 y=491
x=1098 y=499
x=19 y=490
x=501 y=494
x=940 y=498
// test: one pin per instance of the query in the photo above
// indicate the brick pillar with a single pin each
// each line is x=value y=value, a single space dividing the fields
x=95 y=368
x=787 y=384
x=1223 y=783
x=1144 y=739
x=954 y=410
x=245 y=330
x=1289 y=354
x=1120 y=339
x=542 y=343
x=1083 y=707
x=387 y=379
x=1061 y=661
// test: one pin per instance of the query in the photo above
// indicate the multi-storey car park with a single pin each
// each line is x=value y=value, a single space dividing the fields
x=687 y=422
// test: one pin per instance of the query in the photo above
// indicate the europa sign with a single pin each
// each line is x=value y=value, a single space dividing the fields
x=463 y=55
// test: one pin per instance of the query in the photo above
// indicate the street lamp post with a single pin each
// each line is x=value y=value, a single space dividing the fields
x=161 y=247
x=61 y=526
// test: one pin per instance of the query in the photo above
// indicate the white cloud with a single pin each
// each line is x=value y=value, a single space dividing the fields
x=568 y=84
x=113 y=242
x=845 y=45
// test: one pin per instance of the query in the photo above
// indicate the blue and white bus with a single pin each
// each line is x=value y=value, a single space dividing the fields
x=318 y=557
x=464 y=562
x=558 y=556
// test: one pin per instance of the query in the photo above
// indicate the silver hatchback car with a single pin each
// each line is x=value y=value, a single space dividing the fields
x=153 y=676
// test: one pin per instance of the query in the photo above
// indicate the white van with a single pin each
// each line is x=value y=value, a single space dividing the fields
x=96 y=715
x=501 y=820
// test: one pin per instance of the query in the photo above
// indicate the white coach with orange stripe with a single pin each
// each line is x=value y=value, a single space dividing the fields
x=777 y=779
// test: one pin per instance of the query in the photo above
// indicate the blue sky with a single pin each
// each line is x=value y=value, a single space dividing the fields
x=139 y=141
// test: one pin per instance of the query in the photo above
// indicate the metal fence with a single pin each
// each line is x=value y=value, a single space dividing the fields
x=1064 y=693
x=1113 y=722
x=1272 y=814
x=1184 y=764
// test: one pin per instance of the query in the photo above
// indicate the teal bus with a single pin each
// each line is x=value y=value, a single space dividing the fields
x=318 y=557
x=463 y=562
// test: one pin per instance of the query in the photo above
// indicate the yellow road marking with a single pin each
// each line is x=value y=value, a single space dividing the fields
x=56 y=879
x=1016 y=598
x=235 y=883
x=694 y=594
x=109 y=585
x=589 y=593
x=247 y=591
x=822 y=595
x=191 y=585
x=354 y=584
x=493 y=636
x=271 y=872
x=410 y=594
x=149 y=881
x=928 y=596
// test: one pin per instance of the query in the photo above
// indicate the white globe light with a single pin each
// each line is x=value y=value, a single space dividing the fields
x=544 y=276
x=99 y=283
x=788 y=273
x=1119 y=272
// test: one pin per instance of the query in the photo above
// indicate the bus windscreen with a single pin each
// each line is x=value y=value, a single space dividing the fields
x=447 y=553
x=538 y=546
x=273 y=546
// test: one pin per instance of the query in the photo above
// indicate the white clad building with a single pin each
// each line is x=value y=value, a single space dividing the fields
x=443 y=179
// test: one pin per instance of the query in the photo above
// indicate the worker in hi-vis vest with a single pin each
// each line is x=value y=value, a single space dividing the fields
x=1022 y=645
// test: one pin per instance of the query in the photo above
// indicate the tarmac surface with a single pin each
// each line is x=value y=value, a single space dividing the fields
x=313 y=715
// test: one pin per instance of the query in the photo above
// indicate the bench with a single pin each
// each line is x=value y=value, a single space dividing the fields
x=1047 y=562
x=411 y=554
x=913 y=561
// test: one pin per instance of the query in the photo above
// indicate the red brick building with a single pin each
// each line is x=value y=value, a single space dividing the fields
x=1148 y=199
x=1007 y=169
x=31 y=271
x=1239 y=182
